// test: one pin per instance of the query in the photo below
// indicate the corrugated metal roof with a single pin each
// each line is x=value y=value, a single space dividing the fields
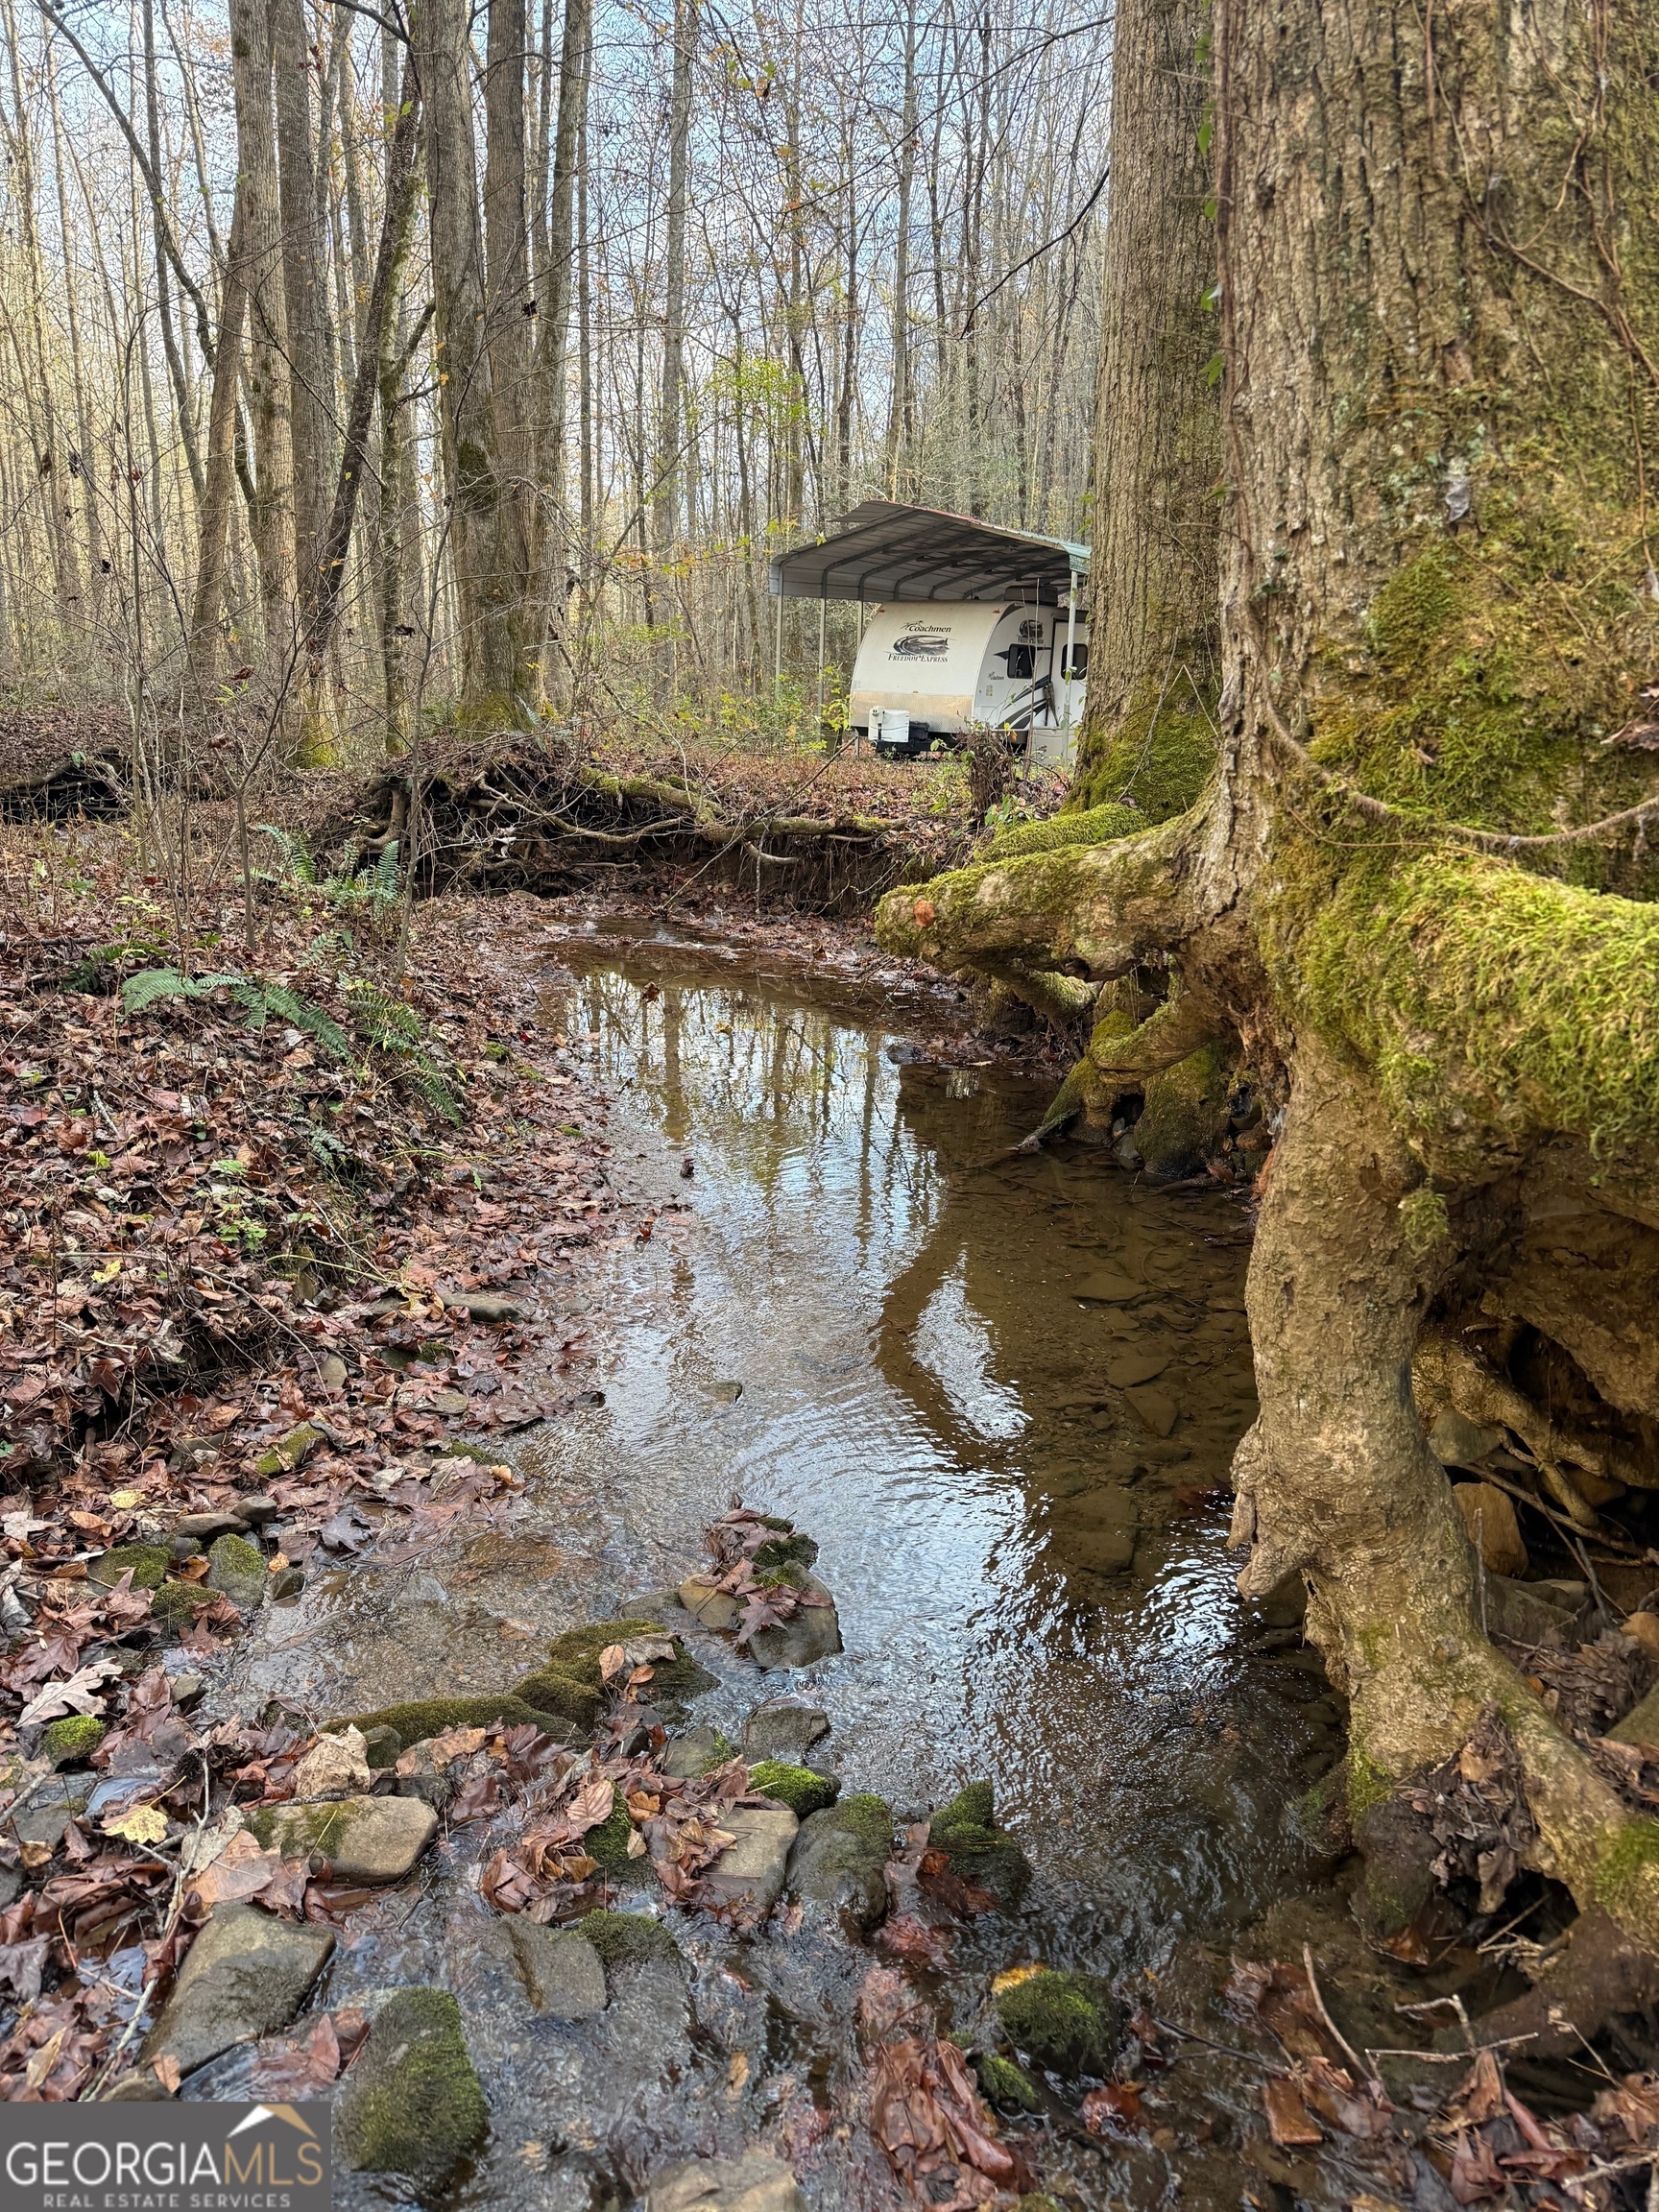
x=884 y=551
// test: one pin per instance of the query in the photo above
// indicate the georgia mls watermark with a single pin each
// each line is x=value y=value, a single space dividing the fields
x=164 y=2158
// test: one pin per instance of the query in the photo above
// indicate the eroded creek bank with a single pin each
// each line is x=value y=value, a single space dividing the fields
x=1001 y=1393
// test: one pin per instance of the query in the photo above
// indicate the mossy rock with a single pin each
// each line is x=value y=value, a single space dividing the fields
x=966 y=1831
x=628 y=1939
x=424 y=1717
x=382 y=1746
x=607 y=1843
x=236 y=1570
x=792 y=1551
x=577 y=1653
x=1066 y=2022
x=1007 y=2085
x=68 y=1741
x=553 y=1691
x=799 y=1788
x=289 y=1452
x=838 y=1862
x=413 y=2104
x=175 y=1604
x=578 y=1650
x=867 y=1816
x=148 y=1563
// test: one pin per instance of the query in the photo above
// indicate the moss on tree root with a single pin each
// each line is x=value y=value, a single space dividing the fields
x=1486 y=1000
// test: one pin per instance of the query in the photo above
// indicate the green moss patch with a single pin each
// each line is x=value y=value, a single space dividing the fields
x=1007 y=2085
x=799 y=1788
x=424 y=1716
x=1160 y=756
x=628 y=1939
x=778 y=1551
x=1628 y=1870
x=149 y=1564
x=1093 y=825
x=414 y=2104
x=867 y=1816
x=66 y=1743
x=175 y=1604
x=966 y=1830
x=607 y=1843
x=1066 y=2022
x=556 y=1693
x=573 y=1658
x=1476 y=990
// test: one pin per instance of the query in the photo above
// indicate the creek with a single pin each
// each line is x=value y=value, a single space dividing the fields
x=861 y=1311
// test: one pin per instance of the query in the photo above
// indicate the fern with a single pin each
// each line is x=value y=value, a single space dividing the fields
x=152 y=983
x=260 y=999
x=386 y=875
x=385 y=1024
x=301 y=1015
x=295 y=858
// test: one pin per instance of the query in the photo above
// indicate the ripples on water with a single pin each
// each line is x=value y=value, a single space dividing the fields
x=923 y=1391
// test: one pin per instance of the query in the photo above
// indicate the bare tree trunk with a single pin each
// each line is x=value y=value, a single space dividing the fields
x=1147 y=736
x=84 y=464
x=570 y=157
x=272 y=516
x=512 y=303
x=670 y=413
x=487 y=548
x=312 y=381
x=901 y=405
x=51 y=465
x=322 y=601
x=219 y=475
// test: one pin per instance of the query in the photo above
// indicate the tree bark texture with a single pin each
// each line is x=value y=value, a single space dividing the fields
x=666 y=502
x=1147 y=736
x=311 y=379
x=271 y=516
x=487 y=549
x=1439 y=265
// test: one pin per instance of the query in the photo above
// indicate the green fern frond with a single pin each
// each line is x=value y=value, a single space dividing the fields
x=296 y=859
x=301 y=1014
x=152 y=983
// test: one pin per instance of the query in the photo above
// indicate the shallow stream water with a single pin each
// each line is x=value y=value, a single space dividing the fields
x=1030 y=1572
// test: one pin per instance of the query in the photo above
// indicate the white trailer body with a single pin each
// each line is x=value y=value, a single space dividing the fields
x=935 y=671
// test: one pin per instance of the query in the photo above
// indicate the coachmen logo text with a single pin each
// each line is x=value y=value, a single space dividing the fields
x=167 y=2157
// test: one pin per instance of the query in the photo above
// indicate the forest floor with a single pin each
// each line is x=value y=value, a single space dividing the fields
x=274 y=1185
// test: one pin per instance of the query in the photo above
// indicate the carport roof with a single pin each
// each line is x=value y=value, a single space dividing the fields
x=884 y=551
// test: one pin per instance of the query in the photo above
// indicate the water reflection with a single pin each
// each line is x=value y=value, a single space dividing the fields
x=1031 y=1580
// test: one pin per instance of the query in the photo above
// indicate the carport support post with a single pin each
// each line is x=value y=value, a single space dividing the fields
x=777 y=658
x=823 y=611
x=1070 y=642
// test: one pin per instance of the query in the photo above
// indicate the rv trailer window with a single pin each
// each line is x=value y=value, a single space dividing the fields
x=1022 y=663
x=1074 y=663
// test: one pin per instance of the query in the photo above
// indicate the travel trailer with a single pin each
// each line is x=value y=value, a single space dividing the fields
x=935 y=673
x=969 y=627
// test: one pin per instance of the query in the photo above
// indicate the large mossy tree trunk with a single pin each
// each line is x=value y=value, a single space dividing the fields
x=1148 y=737
x=1440 y=261
x=1148 y=740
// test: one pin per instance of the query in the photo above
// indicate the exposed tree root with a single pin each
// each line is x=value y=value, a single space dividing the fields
x=1595 y=1974
x=530 y=816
